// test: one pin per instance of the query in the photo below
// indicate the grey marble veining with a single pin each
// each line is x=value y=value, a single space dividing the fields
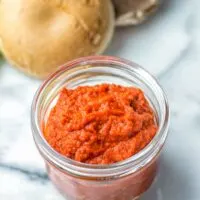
x=168 y=45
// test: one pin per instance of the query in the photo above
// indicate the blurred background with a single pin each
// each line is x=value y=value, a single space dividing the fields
x=168 y=46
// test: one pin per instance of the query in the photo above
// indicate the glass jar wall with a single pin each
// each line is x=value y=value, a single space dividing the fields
x=125 y=180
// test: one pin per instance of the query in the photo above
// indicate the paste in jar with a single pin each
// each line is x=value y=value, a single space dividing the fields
x=101 y=124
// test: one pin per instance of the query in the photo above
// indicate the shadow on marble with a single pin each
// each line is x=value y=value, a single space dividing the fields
x=1 y=63
x=171 y=184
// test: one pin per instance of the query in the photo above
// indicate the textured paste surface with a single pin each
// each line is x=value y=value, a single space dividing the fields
x=100 y=124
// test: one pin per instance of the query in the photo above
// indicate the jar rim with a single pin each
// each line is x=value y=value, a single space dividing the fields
x=121 y=168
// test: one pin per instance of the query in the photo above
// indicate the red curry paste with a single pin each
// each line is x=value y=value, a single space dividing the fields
x=100 y=124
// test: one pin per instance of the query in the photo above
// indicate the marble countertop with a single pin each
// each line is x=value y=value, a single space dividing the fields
x=168 y=45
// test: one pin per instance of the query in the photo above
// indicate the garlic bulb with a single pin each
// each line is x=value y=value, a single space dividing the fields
x=131 y=12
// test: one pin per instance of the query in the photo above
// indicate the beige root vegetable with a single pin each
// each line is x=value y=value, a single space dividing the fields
x=37 y=36
x=134 y=11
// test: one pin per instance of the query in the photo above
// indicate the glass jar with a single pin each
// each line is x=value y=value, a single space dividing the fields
x=125 y=180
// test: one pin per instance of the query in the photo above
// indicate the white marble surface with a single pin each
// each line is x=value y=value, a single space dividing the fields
x=168 y=45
